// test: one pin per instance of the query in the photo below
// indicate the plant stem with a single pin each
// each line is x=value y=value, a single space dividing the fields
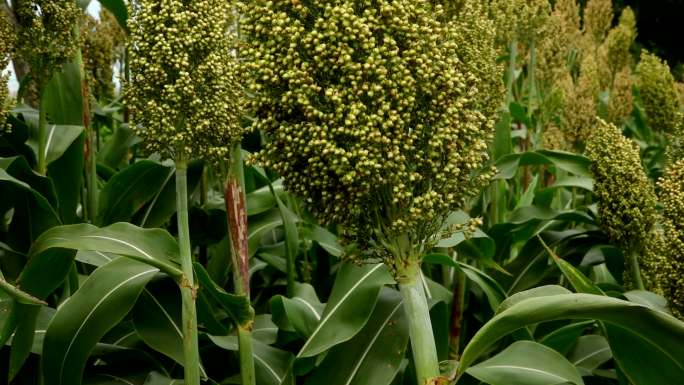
x=187 y=286
x=636 y=271
x=236 y=213
x=42 y=136
x=420 y=327
x=457 y=308
x=512 y=57
x=246 y=356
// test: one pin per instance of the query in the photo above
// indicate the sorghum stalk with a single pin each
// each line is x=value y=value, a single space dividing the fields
x=42 y=137
x=420 y=326
x=636 y=271
x=191 y=361
x=236 y=214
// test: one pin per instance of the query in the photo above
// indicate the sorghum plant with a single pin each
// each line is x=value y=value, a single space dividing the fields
x=379 y=116
x=6 y=46
x=658 y=94
x=626 y=198
x=183 y=100
x=48 y=39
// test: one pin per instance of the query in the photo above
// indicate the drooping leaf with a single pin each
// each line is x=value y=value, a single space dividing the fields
x=301 y=313
x=590 y=352
x=658 y=331
x=271 y=364
x=348 y=308
x=127 y=191
x=237 y=306
x=153 y=246
x=103 y=300
x=526 y=363
x=373 y=356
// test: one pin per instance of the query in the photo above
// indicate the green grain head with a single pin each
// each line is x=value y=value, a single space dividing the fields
x=184 y=93
x=658 y=94
x=47 y=35
x=377 y=113
x=626 y=198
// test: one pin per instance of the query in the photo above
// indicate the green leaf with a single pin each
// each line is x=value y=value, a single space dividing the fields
x=118 y=9
x=373 y=356
x=156 y=378
x=157 y=320
x=260 y=225
x=564 y=338
x=301 y=313
x=658 y=333
x=565 y=161
x=262 y=200
x=103 y=300
x=578 y=280
x=127 y=191
x=237 y=306
x=63 y=97
x=647 y=298
x=153 y=246
x=349 y=306
x=114 y=151
x=272 y=365
x=67 y=176
x=59 y=139
x=526 y=363
x=541 y=291
x=492 y=290
x=590 y=352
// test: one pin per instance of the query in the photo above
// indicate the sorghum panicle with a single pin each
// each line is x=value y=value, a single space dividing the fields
x=184 y=94
x=626 y=198
x=597 y=20
x=378 y=115
x=521 y=20
x=6 y=46
x=47 y=35
x=658 y=94
x=100 y=41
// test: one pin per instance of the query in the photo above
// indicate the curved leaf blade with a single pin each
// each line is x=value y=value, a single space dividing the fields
x=103 y=300
x=351 y=302
x=526 y=363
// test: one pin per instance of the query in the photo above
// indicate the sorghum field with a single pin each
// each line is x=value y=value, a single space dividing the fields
x=338 y=192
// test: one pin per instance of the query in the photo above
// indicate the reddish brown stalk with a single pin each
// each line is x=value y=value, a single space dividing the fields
x=236 y=214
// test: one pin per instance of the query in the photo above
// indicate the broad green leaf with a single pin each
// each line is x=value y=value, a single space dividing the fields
x=262 y=200
x=67 y=176
x=565 y=161
x=153 y=246
x=348 y=308
x=564 y=338
x=301 y=313
x=541 y=291
x=493 y=291
x=259 y=226
x=590 y=352
x=59 y=138
x=114 y=151
x=526 y=363
x=327 y=240
x=103 y=300
x=647 y=298
x=271 y=364
x=373 y=356
x=163 y=205
x=127 y=191
x=658 y=332
x=156 y=378
x=63 y=98
x=157 y=320
x=578 y=280
x=238 y=307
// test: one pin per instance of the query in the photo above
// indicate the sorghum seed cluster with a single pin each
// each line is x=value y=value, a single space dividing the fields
x=377 y=113
x=47 y=35
x=184 y=93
